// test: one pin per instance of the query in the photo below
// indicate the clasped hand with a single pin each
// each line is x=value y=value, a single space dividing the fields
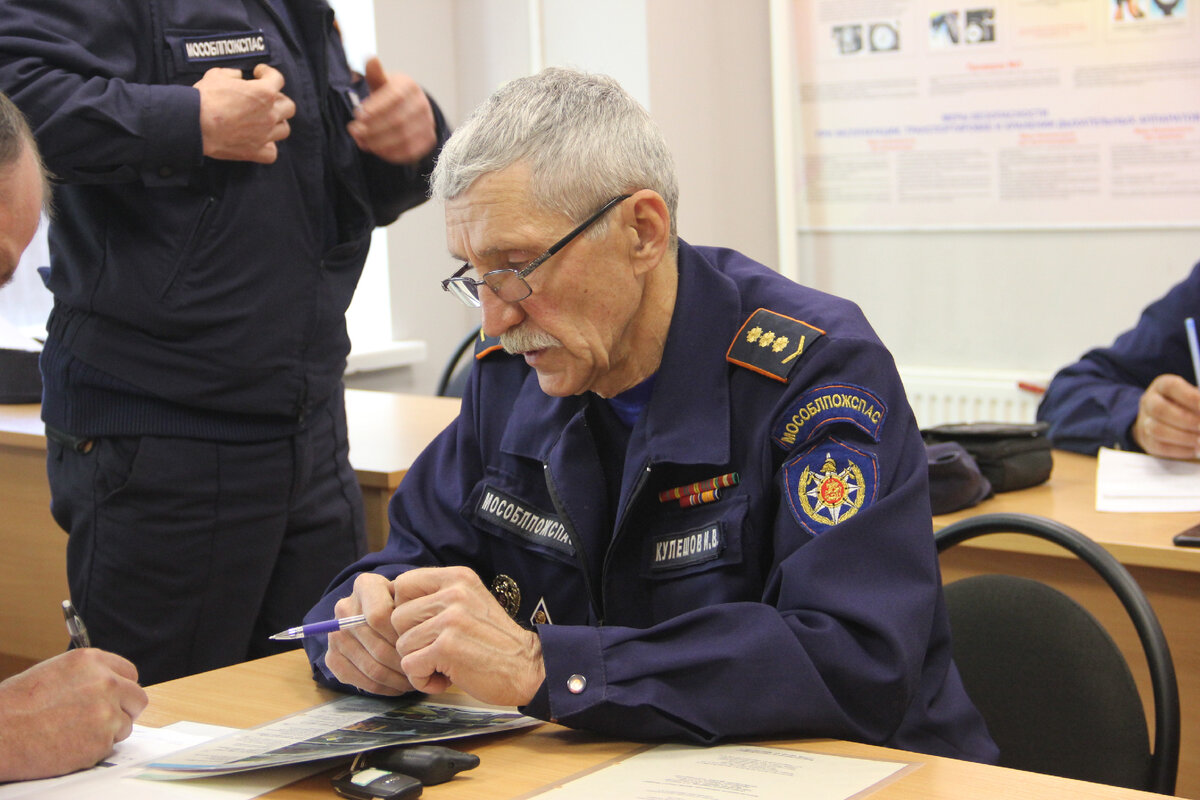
x=430 y=628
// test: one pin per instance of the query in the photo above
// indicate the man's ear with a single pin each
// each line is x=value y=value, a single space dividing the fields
x=651 y=223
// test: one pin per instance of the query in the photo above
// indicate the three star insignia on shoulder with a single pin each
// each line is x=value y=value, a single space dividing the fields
x=772 y=344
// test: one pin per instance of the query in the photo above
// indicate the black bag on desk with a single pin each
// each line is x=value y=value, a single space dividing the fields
x=1011 y=456
x=955 y=481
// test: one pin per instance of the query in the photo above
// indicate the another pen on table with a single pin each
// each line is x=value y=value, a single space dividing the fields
x=325 y=626
x=75 y=627
x=1189 y=325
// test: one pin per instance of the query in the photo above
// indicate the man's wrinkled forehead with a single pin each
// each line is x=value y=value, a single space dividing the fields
x=495 y=214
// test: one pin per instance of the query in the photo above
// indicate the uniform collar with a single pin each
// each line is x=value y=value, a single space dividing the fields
x=687 y=420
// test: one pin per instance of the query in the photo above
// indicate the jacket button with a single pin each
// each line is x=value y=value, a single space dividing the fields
x=165 y=172
x=576 y=684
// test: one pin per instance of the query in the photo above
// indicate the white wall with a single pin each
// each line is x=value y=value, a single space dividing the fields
x=670 y=54
x=1027 y=301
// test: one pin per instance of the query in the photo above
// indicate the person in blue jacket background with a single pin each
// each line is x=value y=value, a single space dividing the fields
x=219 y=171
x=1137 y=394
x=685 y=497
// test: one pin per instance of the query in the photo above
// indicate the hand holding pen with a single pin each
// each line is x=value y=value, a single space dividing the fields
x=1168 y=419
x=70 y=709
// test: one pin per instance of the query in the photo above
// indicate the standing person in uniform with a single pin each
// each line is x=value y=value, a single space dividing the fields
x=221 y=170
x=685 y=498
x=67 y=712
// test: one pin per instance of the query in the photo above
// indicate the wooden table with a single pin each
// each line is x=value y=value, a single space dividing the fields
x=387 y=432
x=514 y=764
x=1169 y=575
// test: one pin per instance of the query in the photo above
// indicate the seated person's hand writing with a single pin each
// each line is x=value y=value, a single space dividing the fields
x=66 y=713
x=1168 y=420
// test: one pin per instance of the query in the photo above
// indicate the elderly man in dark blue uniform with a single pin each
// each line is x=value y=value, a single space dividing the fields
x=221 y=173
x=1137 y=394
x=687 y=500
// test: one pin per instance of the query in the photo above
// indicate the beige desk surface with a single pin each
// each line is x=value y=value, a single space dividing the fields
x=21 y=426
x=387 y=430
x=1141 y=539
x=515 y=764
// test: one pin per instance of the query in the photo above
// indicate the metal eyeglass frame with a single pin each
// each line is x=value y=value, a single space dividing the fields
x=467 y=289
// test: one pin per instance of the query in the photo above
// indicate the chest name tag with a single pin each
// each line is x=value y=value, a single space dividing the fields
x=225 y=47
x=531 y=524
x=685 y=549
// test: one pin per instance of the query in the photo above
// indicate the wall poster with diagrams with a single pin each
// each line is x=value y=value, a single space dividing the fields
x=932 y=114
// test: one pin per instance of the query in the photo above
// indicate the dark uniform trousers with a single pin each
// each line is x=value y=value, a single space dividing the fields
x=225 y=529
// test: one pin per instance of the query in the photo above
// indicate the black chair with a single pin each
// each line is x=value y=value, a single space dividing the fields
x=454 y=374
x=1054 y=689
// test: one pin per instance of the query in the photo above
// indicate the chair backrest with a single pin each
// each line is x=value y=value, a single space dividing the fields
x=1054 y=689
x=458 y=366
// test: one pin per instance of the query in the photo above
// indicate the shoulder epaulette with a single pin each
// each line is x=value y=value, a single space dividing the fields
x=772 y=344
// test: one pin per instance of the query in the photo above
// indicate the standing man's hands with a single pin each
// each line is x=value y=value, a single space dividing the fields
x=241 y=120
x=432 y=628
x=1168 y=419
x=394 y=122
x=66 y=713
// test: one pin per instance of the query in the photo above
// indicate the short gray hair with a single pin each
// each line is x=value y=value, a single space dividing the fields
x=584 y=138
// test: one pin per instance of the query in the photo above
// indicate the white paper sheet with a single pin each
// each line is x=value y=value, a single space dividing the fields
x=1137 y=482
x=726 y=771
x=116 y=778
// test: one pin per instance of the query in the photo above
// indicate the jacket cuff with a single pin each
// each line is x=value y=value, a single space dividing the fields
x=174 y=146
x=575 y=679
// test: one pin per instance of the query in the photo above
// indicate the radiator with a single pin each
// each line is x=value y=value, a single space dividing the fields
x=940 y=396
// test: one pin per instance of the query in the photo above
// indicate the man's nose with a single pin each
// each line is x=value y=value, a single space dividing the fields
x=498 y=315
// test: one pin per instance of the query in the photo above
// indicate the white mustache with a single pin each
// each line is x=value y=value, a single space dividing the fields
x=519 y=341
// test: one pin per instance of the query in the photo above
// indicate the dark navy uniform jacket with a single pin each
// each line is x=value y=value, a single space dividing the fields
x=1093 y=403
x=212 y=284
x=805 y=601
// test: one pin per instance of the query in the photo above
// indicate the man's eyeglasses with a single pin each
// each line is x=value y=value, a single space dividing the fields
x=509 y=284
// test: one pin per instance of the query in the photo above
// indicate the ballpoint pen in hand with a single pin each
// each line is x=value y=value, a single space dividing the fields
x=325 y=626
x=1189 y=326
x=75 y=627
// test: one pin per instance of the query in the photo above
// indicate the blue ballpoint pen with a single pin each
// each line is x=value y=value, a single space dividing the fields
x=1189 y=325
x=325 y=626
